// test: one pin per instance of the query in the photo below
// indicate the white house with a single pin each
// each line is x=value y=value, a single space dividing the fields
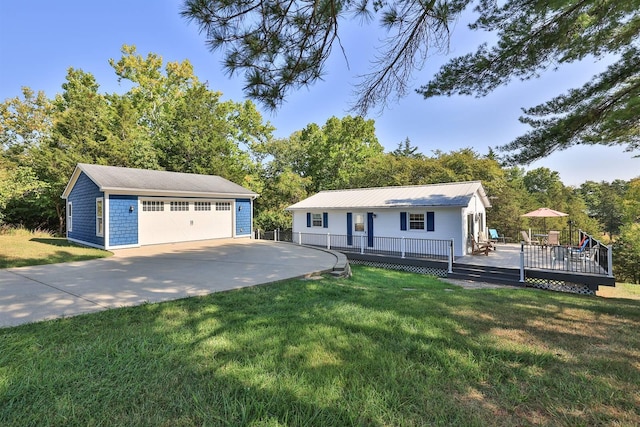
x=451 y=211
x=113 y=207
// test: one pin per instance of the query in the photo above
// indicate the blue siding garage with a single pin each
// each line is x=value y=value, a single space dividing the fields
x=243 y=217
x=114 y=207
x=123 y=220
x=81 y=207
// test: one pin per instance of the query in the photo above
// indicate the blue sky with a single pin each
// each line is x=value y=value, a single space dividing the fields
x=40 y=39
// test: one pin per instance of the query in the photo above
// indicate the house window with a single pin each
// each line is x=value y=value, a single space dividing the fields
x=152 y=206
x=69 y=216
x=223 y=206
x=316 y=220
x=179 y=206
x=99 y=216
x=416 y=221
x=358 y=224
x=202 y=206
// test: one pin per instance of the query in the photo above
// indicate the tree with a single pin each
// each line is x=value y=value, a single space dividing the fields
x=631 y=202
x=405 y=149
x=545 y=186
x=626 y=254
x=604 y=202
x=283 y=45
x=16 y=183
x=331 y=156
x=537 y=35
x=24 y=124
x=179 y=124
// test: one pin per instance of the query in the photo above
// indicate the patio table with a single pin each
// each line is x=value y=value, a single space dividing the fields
x=542 y=239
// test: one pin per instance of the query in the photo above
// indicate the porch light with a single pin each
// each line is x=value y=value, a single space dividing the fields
x=131 y=208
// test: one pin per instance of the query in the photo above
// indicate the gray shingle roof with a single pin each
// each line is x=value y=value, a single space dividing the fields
x=450 y=194
x=143 y=181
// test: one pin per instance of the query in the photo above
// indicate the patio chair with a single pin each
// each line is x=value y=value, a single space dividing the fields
x=479 y=248
x=482 y=239
x=554 y=238
x=558 y=254
x=581 y=253
x=493 y=233
x=527 y=239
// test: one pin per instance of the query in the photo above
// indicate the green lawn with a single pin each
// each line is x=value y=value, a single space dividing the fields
x=20 y=248
x=383 y=348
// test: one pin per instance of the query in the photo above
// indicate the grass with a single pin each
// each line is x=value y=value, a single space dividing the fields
x=364 y=351
x=20 y=248
x=621 y=290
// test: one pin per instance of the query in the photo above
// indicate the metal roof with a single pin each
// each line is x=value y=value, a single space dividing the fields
x=455 y=194
x=115 y=179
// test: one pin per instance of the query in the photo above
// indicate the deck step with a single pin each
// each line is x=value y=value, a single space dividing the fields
x=476 y=273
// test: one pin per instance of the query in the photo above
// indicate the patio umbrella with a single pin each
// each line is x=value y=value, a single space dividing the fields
x=544 y=213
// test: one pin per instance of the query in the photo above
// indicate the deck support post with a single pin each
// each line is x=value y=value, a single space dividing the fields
x=362 y=243
x=522 y=262
x=610 y=261
x=299 y=237
x=402 y=246
x=451 y=257
x=328 y=240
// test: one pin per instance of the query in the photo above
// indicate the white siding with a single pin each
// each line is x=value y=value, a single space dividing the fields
x=448 y=224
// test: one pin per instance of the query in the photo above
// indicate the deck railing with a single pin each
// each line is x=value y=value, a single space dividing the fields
x=595 y=258
x=590 y=258
x=402 y=247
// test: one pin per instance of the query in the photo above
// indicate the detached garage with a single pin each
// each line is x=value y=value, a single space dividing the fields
x=113 y=208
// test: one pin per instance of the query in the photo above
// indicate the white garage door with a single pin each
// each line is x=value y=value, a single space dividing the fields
x=180 y=220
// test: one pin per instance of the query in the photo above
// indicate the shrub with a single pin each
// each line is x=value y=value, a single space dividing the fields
x=626 y=254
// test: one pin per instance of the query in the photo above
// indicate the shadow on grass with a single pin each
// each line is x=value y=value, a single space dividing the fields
x=321 y=353
x=55 y=241
x=68 y=252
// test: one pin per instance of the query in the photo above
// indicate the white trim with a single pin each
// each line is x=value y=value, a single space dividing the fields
x=101 y=201
x=175 y=194
x=72 y=182
x=234 y=218
x=105 y=219
x=82 y=242
x=251 y=219
x=133 y=245
x=69 y=217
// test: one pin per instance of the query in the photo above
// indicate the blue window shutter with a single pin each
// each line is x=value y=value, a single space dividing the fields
x=370 y=229
x=431 y=221
x=325 y=220
x=403 y=221
x=308 y=219
x=349 y=228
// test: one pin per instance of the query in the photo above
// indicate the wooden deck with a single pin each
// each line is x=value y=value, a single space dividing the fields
x=506 y=255
x=542 y=266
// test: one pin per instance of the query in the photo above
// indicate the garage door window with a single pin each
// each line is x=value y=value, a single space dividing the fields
x=179 y=206
x=152 y=206
x=202 y=206
x=223 y=206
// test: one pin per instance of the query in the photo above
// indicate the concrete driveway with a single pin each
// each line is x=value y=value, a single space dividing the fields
x=150 y=274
